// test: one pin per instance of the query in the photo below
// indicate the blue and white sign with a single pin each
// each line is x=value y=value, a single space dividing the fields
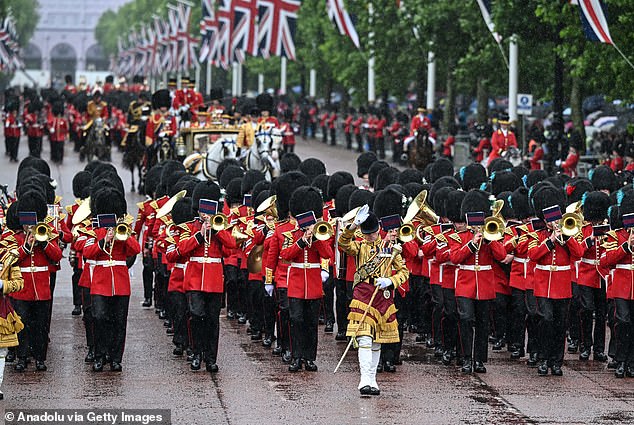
x=524 y=104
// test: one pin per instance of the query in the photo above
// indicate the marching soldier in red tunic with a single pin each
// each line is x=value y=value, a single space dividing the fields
x=304 y=277
x=551 y=251
x=12 y=129
x=58 y=129
x=34 y=127
x=201 y=248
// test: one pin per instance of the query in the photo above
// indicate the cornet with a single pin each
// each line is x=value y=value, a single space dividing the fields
x=323 y=230
x=122 y=232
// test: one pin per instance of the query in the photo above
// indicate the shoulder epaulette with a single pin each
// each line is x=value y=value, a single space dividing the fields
x=69 y=209
x=140 y=205
x=455 y=237
x=429 y=230
x=508 y=231
x=533 y=235
x=58 y=199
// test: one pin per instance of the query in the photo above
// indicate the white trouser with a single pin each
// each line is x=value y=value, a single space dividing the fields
x=3 y=355
x=369 y=355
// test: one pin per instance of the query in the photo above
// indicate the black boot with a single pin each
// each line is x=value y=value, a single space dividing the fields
x=341 y=336
x=310 y=366
x=600 y=356
x=295 y=366
x=573 y=346
x=20 y=366
x=532 y=360
x=447 y=358
x=542 y=369
x=178 y=350
x=556 y=370
x=620 y=370
x=211 y=367
x=256 y=336
x=498 y=345
x=116 y=367
x=267 y=341
x=467 y=367
x=277 y=351
x=585 y=354
x=90 y=357
x=76 y=311
x=10 y=356
x=329 y=327
x=388 y=366
x=196 y=362
x=286 y=356
x=478 y=367
x=147 y=302
x=97 y=366
x=517 y=352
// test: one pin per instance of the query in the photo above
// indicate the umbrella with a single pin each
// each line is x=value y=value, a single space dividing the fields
x=593 y=116
x=605 y=123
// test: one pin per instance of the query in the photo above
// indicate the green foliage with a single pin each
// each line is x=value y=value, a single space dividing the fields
x=26 y=17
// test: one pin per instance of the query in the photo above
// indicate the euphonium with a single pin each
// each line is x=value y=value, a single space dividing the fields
x=219 y=222
x=323 y=230
x=238 y=235
x=570 y=224
x=42 y=232
x=406 y=232
x=122 y=232
x=268 y=207
x=493 y=229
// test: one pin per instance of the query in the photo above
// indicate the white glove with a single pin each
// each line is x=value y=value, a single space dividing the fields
x=362 y=215
x=52 y=129
x=382 y=282
x=324 y=276
x=558 y=162
x=269 y=289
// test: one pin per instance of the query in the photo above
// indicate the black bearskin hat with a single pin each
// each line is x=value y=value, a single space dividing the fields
x=440 y=168
x=262 y=196
x=13 y=220
x=595 y=206
x=152 y=179
x=504 y=181
x=289 y=162
x=259 y=187
x=108 y=200
x=410 y=175
x=342 y=199
x=370 y=225
x=360 y=197
x=230 y=173
x=37 y=163
x=226 y=163
x=453 y=206
x=548 y=197
x=520 y=171
x=304 y=199
x=520 y=204
x=81 y=184
x=386 y=177
x=534 y=177
x=33 y=201
x=312 y=167
x=161 y=99
x=374 y=171
x=557 y=181
x=337 y=180
x=186 y=183
x=250 y=179
x=216 y=93
x=285 y=185
x=389 y=202
x=499 y=164
x=507 y=210
x=170 y=181
x=264 y=102
x=321 y=183
x=576 y=187
x=439 y=201
x=233 y=194
x=412 y=189
x=472 y=176
x=364 y=161
x=475 y=201
x=205 y=190
x=182 y=211
x=603 y=178
x=446 y=181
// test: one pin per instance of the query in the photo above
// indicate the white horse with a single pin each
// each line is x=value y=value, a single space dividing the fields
x=204 y=165
x=263 y=155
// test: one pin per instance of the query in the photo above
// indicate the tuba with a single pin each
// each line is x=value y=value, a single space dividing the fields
x=420 y=209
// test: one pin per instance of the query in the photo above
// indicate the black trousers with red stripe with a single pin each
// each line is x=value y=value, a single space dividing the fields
x=111 y=322
x=474 y=328
x=34 y=315
x=88 y=318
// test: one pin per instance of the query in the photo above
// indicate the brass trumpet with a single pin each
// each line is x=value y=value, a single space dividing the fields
x=493 y=229
x=42 y=232
x=407 y=233
x=570 y=224
x=323 y=230
x=219 y=222
x=122 y=232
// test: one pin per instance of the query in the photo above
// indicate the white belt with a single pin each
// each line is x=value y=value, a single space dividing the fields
x=625 y=266
x=521 y=260
x=475 y=268
x=589 y=261
x=306 y=265
x=90 y=262
x=448 y=263
x=179 y=266
x=34 y=269
x=205 y=260
x=552 y=268
x=110 y=263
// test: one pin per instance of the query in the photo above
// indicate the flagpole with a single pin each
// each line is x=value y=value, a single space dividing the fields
x=624 y=57
x=312 y=88
x=513 y=65
x=260 y=83
x=234 y=78
x=283 y=76
x=208 y=75
x=431 y=80
x=240 y=68
x=371 y=93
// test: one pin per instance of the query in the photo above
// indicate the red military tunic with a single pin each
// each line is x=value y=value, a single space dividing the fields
x=500 y=142
x=177 y=276
x=447 y=267
x=304 y=273
x=420 y=121
x=34 y=264
x=204 y=259
x=475 y=277
x=619 y=258
x=110 y=275
x=589 y=269
x=429 y=247
x=84 y=233
x=11 y=126
x=33 y=126
x=58 y=129
x=159 y=125
x=552 y=264
x=276 y=267
x=521 y=268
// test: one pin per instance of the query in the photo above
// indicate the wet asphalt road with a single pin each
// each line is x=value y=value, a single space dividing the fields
x=253 y=387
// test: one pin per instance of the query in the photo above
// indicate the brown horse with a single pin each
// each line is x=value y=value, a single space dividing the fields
x=420 y=151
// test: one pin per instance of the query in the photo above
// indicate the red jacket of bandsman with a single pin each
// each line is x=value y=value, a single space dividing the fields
x=34 y=262
x=618 y=258
x=277 y=268
x=33 y=126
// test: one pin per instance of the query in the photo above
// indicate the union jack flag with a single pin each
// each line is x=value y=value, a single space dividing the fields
x=595 y=25
x=339 y=15
x=208 y=31
x=9 y=47
x=284 y=27
x=243 y=34
x=223 y=42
